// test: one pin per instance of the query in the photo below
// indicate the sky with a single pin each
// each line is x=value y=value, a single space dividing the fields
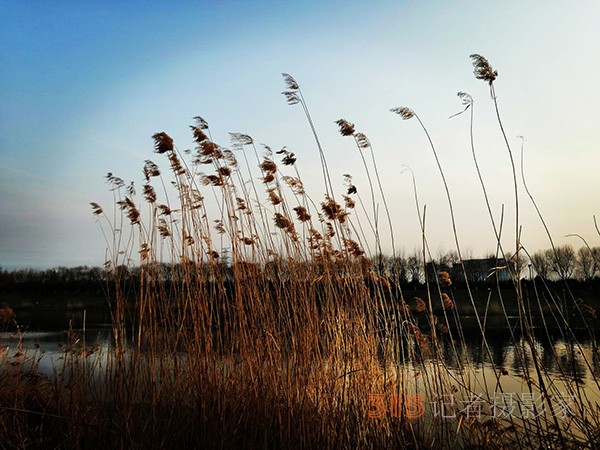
x=85 y=85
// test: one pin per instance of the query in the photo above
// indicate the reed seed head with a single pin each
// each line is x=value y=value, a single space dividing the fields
x=444 y=278
x=330 y=231
x=447 y=301
x=346 y=128
x=224 y=171
x=273 y=197
x=302 y=213
x=96 y=209
x=286 y=224
x=144 y=251
x=220 y=227
x=164 y=210
x=201 y=123
x=268 y=166
x=420 y=305
x=466 y=99
x=149 y=193
x=443 y=328
x=404 y=112
x=209 y=149
x=130 y=209
x=281 y=221
x=291 y=97
x=268 y=151
x=290 y=82
x=331 y=208
x=241 y=203
x=350 y=204
x=362 y=141
x=289 y=159
x=176 y=166
x=162 y=142
x=116 y=182
x=130 y=189
x=353 y=248
x=240 y=139
x=212 y=180
x=150 y=170
x=230 y=157
x=199 y=135
x=163 y=228
x=483 y=70
x=295 y=185
x=7 y=315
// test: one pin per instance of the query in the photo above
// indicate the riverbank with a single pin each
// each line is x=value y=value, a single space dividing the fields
x=580 y=301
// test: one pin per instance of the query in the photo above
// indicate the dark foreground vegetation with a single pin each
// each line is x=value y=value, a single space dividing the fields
x=55 y=298
x=264 y=321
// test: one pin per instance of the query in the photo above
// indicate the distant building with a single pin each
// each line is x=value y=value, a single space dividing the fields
x=477 y=270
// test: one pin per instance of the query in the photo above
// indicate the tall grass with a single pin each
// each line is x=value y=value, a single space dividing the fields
x=296 y=340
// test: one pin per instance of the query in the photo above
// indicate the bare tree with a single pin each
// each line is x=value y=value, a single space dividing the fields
x=588 y=263
x=516 y=263
x=398 y=266
x=394 y=266
x=414 y=268
x=447 y=260
x=562 y=261
x=541 y=264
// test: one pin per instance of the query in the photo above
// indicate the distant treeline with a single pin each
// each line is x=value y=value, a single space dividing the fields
x=56 y=280
x=580 y=267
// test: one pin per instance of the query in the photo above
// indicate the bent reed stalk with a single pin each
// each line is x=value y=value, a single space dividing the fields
x=266 y=325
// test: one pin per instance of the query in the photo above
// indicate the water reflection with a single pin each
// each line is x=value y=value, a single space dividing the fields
x=48 y=350
x=504 y=349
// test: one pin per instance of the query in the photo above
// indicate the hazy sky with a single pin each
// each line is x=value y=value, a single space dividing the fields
x=84 y=85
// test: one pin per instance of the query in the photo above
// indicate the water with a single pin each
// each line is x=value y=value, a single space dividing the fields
x=49 y=350
x=501 y=382
x=504 y=366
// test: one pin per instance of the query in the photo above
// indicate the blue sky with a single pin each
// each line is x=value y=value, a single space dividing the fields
x=84 y=86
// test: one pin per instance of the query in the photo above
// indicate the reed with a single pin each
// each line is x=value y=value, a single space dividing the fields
x=257 y=319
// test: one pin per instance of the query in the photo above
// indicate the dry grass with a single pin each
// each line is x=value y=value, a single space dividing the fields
x=279 y=347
